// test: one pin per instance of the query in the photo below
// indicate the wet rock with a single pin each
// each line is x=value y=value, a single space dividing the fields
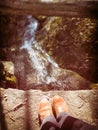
x=20 y=108
x=69 y=80
x=59 y=79
x=27 y=76
x=62 y=79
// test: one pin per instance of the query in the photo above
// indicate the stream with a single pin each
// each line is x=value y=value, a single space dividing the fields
x=41 y=61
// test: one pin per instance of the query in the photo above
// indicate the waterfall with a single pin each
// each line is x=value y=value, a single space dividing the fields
x=39 y=58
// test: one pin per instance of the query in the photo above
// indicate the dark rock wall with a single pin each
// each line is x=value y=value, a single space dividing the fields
x=73 y=43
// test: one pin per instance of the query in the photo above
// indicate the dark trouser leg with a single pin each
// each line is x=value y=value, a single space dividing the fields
x=49 y=123
x=66 y=122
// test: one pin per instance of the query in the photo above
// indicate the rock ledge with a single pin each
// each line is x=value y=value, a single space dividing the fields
x=19 y=108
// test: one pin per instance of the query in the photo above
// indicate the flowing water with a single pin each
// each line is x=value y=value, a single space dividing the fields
x=33 y=67
x=39 y=58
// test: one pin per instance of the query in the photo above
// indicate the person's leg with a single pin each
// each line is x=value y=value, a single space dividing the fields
x=49 y=123
x=47 y=119
x=67 y=122
x=81 y=125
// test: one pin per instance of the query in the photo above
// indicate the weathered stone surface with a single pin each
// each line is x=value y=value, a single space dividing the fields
x=20 y=108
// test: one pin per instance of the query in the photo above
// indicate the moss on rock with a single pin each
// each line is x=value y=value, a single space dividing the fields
x=73 y=43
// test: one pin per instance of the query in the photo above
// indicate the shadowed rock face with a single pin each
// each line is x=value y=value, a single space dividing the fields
x=73 y=43
x=31 y=54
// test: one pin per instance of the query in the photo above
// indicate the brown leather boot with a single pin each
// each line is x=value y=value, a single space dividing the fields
x=45 y=109
x=59 y=105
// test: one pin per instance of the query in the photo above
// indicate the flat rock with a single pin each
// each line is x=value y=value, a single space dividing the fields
x=20 y=108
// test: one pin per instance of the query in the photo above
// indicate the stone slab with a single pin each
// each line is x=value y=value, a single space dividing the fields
x=20 y=108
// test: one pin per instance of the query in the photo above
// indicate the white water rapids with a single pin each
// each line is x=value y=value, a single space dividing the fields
x=39 y=58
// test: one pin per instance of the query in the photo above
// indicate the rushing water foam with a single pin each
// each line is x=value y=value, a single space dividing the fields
x=38 y=56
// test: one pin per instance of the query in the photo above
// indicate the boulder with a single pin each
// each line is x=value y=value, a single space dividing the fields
x=7 y=77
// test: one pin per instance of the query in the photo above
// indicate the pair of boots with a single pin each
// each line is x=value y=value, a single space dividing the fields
x=46 y=108
x=54 y=116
